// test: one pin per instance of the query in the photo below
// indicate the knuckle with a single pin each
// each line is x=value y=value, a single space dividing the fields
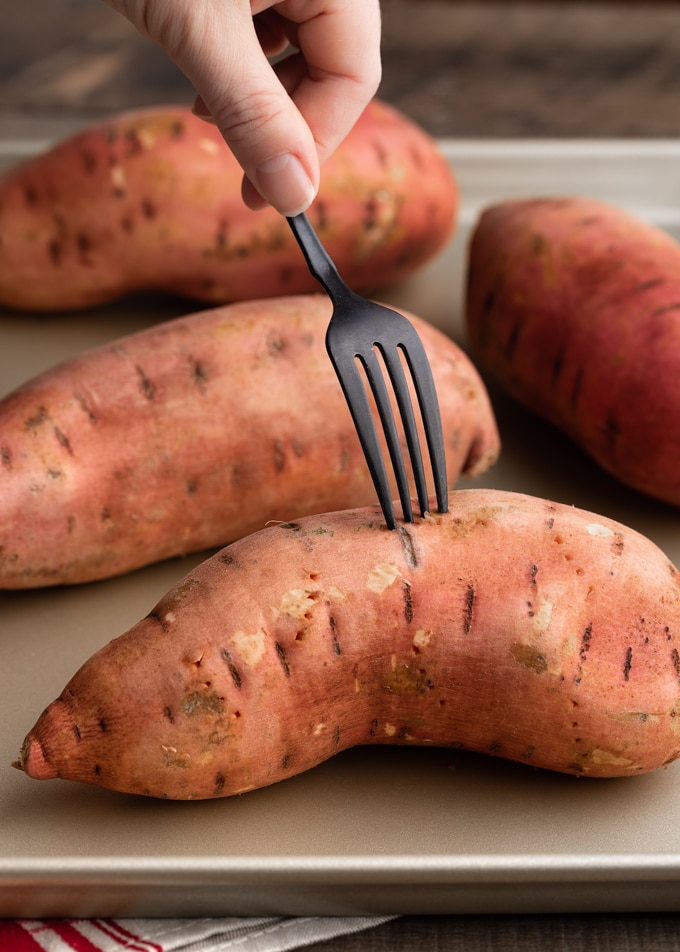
x=239 y=121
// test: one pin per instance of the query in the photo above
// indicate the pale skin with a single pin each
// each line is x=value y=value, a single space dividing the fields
x=281 y=117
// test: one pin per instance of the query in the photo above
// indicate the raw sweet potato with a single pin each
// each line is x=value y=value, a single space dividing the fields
x=191 y=434
x=510 y=625
x=574 y=307
x=151 y=200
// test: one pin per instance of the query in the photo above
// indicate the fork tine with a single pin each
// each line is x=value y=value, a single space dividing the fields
x=400 y=387
x=376 y=380
x=354 y=390
x=429 y=407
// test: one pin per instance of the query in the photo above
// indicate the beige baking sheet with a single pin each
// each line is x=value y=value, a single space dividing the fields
x=379 y=830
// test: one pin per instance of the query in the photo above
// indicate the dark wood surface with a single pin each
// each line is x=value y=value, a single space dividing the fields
x=462 y=69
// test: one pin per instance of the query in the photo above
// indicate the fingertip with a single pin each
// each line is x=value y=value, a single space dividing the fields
x=201 y=111
x=251 y=197
x=281 y=181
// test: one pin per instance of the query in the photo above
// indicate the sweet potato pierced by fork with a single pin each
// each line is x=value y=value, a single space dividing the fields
x=510 y=625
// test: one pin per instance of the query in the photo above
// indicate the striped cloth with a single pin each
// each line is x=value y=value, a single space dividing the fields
x=270 y=934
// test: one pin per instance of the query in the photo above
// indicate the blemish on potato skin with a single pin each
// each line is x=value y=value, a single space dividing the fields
x=199 y=375
x=84 y=249
x=628 y=664
x=529 y=656
x=558 y=364
x=675 y=306
x=281 y=655
x=408 y=601
x=279 y=456
x=408 y=546
x=233 y=670
x=37 y=419
x=334 y=635
x=85 y=406
x=63 y=440
x=575 y=394
x=156 y=616
x=648 y=285
x=145 y=385
x=149 y=210
x=202 y=702
x=5 y=457
x=468 y=609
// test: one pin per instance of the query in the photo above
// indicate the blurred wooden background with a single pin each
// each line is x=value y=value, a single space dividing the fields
x=463 y=68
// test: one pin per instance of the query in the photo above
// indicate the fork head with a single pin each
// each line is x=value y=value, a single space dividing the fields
x=364 y=341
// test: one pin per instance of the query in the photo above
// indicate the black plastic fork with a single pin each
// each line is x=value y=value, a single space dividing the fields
x=357 y=330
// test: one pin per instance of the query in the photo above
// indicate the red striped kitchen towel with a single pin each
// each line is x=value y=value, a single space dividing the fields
x=265 y=934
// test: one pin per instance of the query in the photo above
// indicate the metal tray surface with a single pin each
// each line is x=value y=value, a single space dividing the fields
x=375 y=830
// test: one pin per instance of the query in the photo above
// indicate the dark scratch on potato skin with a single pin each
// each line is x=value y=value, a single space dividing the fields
x=584 y=647
x=334 y=634
x=145 y=385
x=63 y=440
x=628 y=664
x=557 y=366
x=468 y=608
x=55 y=252
x=219 y=784
x=233 y=670
x=675 y=658
x=408 y=546
x=408 y=601
x=281 y=655
x=85 y=406
x=199 y=374
x=674 y=306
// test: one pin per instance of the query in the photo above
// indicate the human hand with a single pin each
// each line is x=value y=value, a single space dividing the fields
x=280 y=120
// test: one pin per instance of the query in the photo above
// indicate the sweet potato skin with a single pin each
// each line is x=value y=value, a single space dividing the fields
x=151 y=200
x=193 y=433
x=573 y=305
x=510 y=625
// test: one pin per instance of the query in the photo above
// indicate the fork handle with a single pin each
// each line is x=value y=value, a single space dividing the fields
x=320 y=264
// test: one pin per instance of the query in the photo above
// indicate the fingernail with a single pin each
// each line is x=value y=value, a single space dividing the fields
x=201 y=111
x=283 y=181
